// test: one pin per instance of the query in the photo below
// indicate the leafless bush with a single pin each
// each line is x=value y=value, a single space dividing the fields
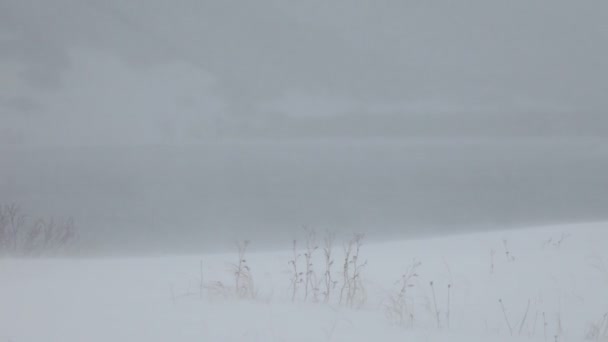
x=12 y=224
x=44 y=237
x=397 y=309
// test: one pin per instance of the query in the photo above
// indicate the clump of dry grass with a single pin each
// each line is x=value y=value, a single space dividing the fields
x=352 y=292
x=243 y=287
x=329 y=283
x=397 y=310
x=243 y=278
x=308 y=277
x=310 y=283
x=304 y=277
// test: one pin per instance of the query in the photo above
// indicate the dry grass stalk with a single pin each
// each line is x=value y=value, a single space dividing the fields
x=397 y=310
x=329 y=283
x=310 y=276
x=242 y=273
x=296 y=278
x=504 y=311
x=353 y=292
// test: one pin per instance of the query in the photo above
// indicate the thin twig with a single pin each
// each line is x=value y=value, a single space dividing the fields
x=448 y=309
x=521 y=325
x=435 y=303
x=506 y=318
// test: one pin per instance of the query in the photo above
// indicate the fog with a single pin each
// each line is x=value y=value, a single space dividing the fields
x=179 y=126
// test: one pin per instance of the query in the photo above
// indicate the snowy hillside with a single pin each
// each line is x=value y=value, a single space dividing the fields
x=537 y=284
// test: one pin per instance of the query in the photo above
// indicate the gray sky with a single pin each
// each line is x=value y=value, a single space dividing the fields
x=95 y=72
x=216 y=119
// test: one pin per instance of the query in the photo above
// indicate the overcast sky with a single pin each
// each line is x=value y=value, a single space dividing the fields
x=134 y=71
x=197 y=121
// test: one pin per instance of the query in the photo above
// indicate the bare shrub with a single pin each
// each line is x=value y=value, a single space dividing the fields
x=47 y=236
x=44 y=237
x=12 y=225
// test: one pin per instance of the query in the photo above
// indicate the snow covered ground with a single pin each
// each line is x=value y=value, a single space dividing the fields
x=551 y=281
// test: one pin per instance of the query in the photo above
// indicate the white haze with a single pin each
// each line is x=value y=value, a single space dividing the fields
x=216 y=119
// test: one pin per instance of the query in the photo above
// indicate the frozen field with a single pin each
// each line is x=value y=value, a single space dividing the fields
x=552 y=283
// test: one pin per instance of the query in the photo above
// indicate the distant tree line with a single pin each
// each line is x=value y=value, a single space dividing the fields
x=22 y=235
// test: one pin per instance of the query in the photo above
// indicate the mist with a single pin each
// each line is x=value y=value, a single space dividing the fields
x=280 y=170
x=181 y=126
